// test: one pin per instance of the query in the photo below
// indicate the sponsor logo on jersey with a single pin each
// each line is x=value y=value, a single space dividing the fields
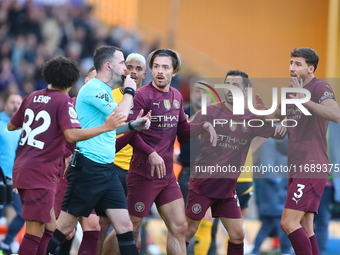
x=326 y=95
x=139 y=206
x=196 y=208
x=164 y=118
x=176 y=104
x=104 y=95
x=41 y=99
x=167 y=104
x=154 y=103
x=132 y=104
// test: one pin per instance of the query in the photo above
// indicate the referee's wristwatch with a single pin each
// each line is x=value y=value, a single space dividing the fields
x=130 y=91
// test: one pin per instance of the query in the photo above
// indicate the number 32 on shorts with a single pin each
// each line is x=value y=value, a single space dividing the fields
x=299 y=190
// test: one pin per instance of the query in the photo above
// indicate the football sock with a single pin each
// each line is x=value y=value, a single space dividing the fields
x=44 y=242
x=300 y=242
x=29 y=245
x=203 y=238
x=235 y=249
x=314 y=243
x=89 y=242
x=127 y=245
x=55 y=240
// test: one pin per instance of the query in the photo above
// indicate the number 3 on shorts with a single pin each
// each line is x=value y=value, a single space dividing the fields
x=300 y=188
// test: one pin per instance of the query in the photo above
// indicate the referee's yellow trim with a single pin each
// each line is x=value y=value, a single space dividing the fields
x=248 y=190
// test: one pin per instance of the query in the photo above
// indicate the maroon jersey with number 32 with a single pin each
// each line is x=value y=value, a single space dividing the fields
x=43 y=115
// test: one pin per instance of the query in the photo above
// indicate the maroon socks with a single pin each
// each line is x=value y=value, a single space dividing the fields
x=315 y=247
x=29 y=245
x=300 y=242
x=89 y=243
x=235 y=249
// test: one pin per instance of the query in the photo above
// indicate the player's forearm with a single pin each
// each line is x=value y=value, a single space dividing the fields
x=73 y=135
x=125 y=105
x=123 y=129
x=331 y=113
x=122 y=141
x=138 y=144
x=189 y=130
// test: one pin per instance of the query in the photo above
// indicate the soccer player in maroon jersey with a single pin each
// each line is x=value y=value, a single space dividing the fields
x=48 y=120
x=218 y=190
x=307 y=150
x=167 y=121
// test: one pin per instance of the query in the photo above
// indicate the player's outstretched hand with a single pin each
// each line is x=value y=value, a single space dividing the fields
x=296 y=84
x=114 y=120
x=157 y=163
x=259 y=103
x=280 y=130
x=213 y=137
x=142 y=122
x=129 y=82
x=148 y=120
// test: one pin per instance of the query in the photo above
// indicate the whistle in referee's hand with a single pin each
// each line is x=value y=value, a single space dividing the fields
x=75 y=156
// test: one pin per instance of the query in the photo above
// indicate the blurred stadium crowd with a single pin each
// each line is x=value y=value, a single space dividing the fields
x=32 y=32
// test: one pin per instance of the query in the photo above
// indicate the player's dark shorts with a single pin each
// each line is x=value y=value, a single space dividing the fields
x=244 y=192
x=37 y=204
x=197 y=206
x=304 y=194
x=142 y=192
x=92 y=185
x=122 y=177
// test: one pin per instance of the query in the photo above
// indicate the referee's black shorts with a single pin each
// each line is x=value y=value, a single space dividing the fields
x=244 y=192
x=92 y=185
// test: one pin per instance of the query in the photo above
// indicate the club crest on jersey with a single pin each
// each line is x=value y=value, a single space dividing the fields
x=72 y=112
x=196 y=208
x=176 y=104
x=232 y=125
x=167 y=104
x=245 y=128
x=139 y=206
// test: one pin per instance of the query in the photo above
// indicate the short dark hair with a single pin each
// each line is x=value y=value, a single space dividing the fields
x=61 y=72
x=91 y=70
x=245 y=77
x=175 y=58
x=103 y=54
x=310 y=55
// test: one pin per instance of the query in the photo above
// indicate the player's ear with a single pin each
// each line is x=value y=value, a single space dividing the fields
x=144 y=75
x=311 y=69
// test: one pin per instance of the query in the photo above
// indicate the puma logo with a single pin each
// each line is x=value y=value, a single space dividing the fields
x=296 y=200
x=157 y=104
